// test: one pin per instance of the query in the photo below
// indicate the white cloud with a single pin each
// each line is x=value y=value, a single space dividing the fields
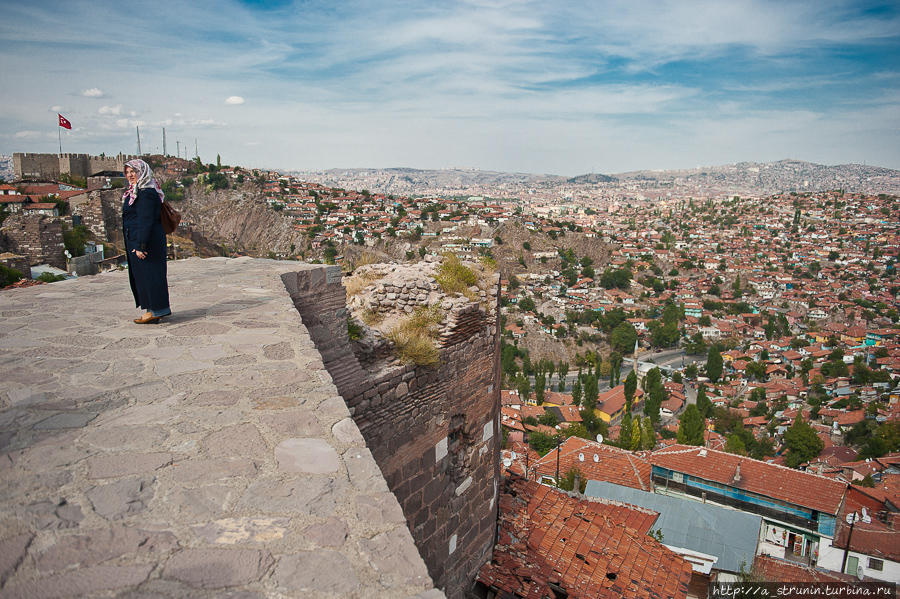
x=94 y=92
x=55 y=109
x=116 y=110
x=27 y=134
x=234 y=100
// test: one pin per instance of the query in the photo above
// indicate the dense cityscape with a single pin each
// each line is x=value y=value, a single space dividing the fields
x=648 y=338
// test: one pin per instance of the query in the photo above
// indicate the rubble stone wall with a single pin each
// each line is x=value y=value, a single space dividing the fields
x=101 y=213
x=39 y=238
x=434 y=431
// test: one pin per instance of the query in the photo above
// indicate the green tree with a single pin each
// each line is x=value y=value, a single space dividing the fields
x=734 y=444
x=591 y=391
x=648 y=435
x=690 y=426
x=8 y=275
x=524 y=388
x=623 y=337
x=690 y=371
x=541 y=442
x=802 y=442
x=615 y=363
x=539 y=384
x=635 y=434
x=656 y=394
x=567 y=482
x=625 y=431
x=576 y=391
x=704 y=405
x=630 y=386
x=563 y=369
x=714 y=364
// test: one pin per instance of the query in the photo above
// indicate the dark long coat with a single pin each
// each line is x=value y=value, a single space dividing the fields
x=143 y=232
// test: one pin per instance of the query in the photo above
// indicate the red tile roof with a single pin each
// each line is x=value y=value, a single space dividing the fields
x=779 y=482
x=588 y=549
x=779 y=570
x=612 y=464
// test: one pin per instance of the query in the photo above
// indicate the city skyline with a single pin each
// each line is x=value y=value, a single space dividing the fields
x=507 y=86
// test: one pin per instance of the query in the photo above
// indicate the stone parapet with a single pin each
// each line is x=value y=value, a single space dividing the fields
x=432 y=430
x=209 y=455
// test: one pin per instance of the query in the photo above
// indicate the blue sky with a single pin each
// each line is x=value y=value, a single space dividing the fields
x=542 y=87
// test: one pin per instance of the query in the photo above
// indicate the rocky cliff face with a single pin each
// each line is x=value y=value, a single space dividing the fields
x=239 y=219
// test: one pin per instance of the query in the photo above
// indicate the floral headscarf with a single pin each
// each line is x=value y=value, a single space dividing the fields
x=145 y=179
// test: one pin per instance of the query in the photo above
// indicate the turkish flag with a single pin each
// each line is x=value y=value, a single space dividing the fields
x=64 y=122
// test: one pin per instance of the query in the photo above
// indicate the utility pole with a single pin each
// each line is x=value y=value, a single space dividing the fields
x=138 y=130
x=558 y=443
x=847 y=548
x=164 y=141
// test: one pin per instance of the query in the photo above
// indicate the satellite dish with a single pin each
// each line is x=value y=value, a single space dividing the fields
x=507 y=462
x=599 y=438
x=596 y=458
x=580 y=457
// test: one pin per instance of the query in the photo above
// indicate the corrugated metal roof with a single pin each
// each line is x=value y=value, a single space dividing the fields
x=730 y=535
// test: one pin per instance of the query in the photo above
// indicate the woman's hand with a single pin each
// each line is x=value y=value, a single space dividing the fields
x=140 y=254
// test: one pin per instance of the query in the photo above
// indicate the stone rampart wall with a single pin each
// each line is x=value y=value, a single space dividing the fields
x=433 y=431
x=39 y=238
x=50 y=166
x=100 y=212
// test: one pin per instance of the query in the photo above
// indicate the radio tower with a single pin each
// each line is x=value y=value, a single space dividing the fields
x=138 y=130
x=164 y=142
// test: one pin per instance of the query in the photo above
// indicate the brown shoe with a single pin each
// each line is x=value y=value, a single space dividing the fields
x=147 y=318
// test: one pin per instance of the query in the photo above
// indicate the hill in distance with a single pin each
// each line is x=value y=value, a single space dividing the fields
x=741 y=178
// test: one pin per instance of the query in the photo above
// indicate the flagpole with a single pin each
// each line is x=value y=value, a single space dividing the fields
x=60 y=139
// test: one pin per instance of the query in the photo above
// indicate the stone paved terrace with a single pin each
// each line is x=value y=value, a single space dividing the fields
x=206 y=456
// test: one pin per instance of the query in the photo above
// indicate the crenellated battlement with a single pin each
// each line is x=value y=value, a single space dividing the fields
x=37 y=166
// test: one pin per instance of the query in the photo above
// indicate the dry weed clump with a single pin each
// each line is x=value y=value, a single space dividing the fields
x=371 y=317
x=364 y=259
x=357 y=282
x=454 y=277
x=414 y=338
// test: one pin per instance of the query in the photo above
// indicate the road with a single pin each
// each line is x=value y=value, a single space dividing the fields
x=670 y=358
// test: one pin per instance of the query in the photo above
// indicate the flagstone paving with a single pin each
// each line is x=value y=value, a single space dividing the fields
x=208 y=455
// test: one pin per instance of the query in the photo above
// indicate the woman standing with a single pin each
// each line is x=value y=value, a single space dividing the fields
x=145 y=242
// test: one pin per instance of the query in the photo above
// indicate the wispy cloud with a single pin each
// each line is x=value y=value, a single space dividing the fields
x=513 y=84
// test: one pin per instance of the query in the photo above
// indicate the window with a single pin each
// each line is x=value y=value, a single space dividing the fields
x=876 y=564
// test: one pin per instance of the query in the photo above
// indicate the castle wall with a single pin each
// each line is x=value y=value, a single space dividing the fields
x=433 y=431
x=47 y=167
x=35 y=166
x=100 y=212
x=39 y=238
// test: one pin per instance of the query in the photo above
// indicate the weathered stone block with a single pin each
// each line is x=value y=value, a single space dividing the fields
x=212 y=568
x=309 y=455
x=316 y=572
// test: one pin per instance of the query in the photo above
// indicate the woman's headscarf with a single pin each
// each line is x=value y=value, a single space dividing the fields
x=145 y=179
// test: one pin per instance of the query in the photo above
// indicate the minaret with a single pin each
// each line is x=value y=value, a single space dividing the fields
x=138 y=130
x=164 y=141
x=637 y=371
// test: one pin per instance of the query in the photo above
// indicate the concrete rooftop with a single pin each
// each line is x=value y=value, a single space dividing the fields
x=206 y=456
